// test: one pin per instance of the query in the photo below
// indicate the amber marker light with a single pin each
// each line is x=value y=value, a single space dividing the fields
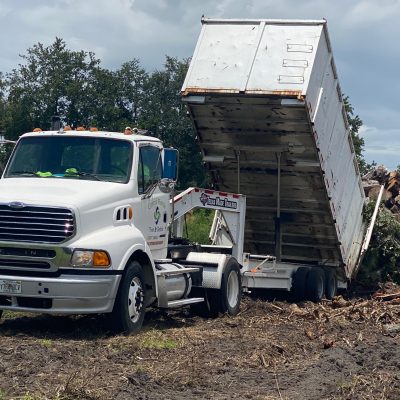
x=101 y=259
x=93 y=129
x=80 y=128
x=130 y=212
x=37 y=130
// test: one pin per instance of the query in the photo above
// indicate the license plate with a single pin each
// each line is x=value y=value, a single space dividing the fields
x=11 y=287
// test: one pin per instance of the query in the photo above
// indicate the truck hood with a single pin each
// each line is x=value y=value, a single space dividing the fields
x=54 y=191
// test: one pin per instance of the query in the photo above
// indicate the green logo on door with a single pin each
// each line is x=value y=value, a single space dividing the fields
x=157 y=215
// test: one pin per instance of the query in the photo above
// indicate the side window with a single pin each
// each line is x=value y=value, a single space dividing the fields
x=150 y=167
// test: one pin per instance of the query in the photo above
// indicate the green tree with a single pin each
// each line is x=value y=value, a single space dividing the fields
x=56 y=81
x=355 y=124
x=382 y=259
x=165 y=116
x=4 y=148
x=131 y=80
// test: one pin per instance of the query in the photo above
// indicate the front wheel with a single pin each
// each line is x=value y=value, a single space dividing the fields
x=129 y=309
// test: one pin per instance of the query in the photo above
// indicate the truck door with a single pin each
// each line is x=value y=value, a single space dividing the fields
x=154 y=205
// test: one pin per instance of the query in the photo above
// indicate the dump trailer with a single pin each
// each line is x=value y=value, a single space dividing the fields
x=268 y=111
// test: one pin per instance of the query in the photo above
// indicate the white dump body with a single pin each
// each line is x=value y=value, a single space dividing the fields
x=267 y=107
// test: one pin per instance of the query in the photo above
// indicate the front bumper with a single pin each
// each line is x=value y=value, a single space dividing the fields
x=65 y=294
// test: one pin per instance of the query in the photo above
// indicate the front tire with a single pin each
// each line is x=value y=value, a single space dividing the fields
x=129 y=308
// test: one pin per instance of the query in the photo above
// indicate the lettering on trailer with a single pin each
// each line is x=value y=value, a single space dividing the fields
x=217 y=201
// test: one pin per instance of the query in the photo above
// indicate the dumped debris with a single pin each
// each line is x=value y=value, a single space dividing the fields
x=337 y=350
x=378 y=176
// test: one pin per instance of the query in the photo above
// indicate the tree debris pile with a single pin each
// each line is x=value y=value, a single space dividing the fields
x=336 y=350
x=378 y=176
x=382 y=261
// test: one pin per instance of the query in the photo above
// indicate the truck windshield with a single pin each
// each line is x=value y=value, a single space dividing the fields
x=100 y=159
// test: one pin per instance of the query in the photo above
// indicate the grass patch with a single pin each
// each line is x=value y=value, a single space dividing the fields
x=198 y=225
x=46 y=342
x=11 y=315
x=156 y=340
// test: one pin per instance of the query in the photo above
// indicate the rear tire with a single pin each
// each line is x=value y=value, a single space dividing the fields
x=227 y=298
x=330 y=283
x=207 y=308
x=129 y=309
x=231 y=288
x=315 y=287
x=299 y=283
x=1 y=313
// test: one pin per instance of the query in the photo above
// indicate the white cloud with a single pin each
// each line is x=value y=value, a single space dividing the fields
x=367 y=12
x=382 y=145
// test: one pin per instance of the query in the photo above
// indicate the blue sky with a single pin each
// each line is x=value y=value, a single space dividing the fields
x=364 y=37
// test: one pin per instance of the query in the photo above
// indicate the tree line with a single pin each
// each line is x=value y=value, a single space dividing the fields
x=54 y=80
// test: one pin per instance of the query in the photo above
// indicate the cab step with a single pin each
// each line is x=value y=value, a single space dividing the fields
x=184 y=302
x=182 y=270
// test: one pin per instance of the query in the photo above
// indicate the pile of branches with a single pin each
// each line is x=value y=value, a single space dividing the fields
x=382 y=261
x=378 y=176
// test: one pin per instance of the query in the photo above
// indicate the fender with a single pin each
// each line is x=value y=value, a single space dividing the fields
x=119 y=241
x=212 y=275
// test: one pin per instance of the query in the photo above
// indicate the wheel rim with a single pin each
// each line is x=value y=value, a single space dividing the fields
x=135 y=299
x=233 y=289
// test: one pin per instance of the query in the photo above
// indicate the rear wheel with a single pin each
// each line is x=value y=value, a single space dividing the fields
x=1 y=313
x=227 y=298
x=231 y=288
x=315 y=286
x=129 y=310
x=299 y=283
x=330 y=283
x=207 y=308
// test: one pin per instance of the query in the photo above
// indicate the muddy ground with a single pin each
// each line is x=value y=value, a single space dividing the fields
x=341 y=349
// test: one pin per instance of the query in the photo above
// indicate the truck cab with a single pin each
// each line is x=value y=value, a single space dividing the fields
x=84 y=220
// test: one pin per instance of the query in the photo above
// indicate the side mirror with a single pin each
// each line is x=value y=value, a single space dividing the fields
x=170 y=170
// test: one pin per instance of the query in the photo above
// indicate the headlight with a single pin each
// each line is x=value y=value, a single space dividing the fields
x=90 y=258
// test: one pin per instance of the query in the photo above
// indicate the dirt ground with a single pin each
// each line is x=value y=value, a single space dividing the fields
x=341 y=349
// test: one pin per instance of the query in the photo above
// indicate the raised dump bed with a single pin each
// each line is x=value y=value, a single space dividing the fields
x=267 y=107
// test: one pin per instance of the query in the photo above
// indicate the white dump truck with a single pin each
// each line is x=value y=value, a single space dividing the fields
x=267 y=108
x=84 y=220
x=85 y=215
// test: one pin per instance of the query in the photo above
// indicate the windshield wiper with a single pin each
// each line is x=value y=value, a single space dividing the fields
x=28 y=173
x=88 y=174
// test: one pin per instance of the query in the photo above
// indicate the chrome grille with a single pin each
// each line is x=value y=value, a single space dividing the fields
x=24 y=264
x=36 y=224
